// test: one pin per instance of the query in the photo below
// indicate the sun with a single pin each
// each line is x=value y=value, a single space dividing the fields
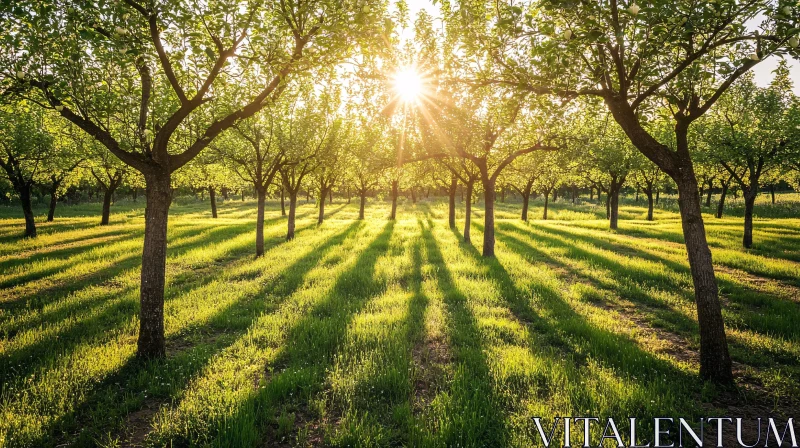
x=408 y=84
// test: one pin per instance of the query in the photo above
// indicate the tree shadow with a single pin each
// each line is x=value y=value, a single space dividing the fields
x=300 y=366
x=190 y=351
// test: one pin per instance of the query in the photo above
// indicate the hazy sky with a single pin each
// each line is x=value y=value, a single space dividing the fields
x=762 y=71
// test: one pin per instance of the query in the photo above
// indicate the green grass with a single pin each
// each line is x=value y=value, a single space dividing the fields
x=379 y=333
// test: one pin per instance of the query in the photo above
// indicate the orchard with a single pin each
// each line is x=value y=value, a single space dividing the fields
x=399 y=222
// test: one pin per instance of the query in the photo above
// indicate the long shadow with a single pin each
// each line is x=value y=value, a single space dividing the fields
x=84 y=329
x=477 y=418
x=310 y=349
x=621 y=285
x=190 y=351
x=570 y=333
x=40 y=298
x=65 y=249
x=772 y=315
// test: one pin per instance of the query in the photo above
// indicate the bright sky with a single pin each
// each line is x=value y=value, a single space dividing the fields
x=762 y=71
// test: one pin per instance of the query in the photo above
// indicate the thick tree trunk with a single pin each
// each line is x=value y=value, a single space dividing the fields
x=262 y=197
x=721 y=204
x=393 y=215
x=106 y=207
x=225 y=193
x=27 y=211
x=649 y=194
x=154 y=259
x=749 y=204
x=322 y=195
x=715 y=361
x=362 y=203
x=212 y=194
x=283 y=201
x=451 y=194
x=51 y=213
x=292 y=213
x=488 y=218
x=468 y=213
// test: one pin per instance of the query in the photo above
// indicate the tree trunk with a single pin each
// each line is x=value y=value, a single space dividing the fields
x=608 y=204
x=394 y=200
x=413 y=196
x=749 y=203
x=721 y=204
x=649 y=193
x=591 y=193
x=283 y=201
x=242 y=194
x=135 y=194
x=658 y=194
x=330 y=196
x=322 y=195
x=292 y=213
x=526 y=196
x=225 y=193
x=51 y=213
x=772 y=193
x=555 y=194
x=27 y=211
x=212 y=194
x=363 y=201
x=574 y=194
x=614 y=206
x=154 y=259
x=503 y=194
x=715 y=362
x=468 y=213
x=708 y=193
x=488 y=217
x=106 y=206
x=546 y=201
x=262 y=196
x=451 y=193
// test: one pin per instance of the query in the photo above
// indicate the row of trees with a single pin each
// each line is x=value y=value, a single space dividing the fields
x=536 y=95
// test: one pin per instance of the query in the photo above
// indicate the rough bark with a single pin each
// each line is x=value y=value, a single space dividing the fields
x=715 y=361
x=154 y=257
x=649 y=194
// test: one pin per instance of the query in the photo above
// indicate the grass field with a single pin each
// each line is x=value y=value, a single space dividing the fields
x=377 y=333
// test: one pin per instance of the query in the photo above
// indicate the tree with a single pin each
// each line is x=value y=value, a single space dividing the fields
x=109 y=173
x=750 y=130
x=251 y=150
x=68 y=153
x=25 y=145
x=139 y=76
x=683 y=53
